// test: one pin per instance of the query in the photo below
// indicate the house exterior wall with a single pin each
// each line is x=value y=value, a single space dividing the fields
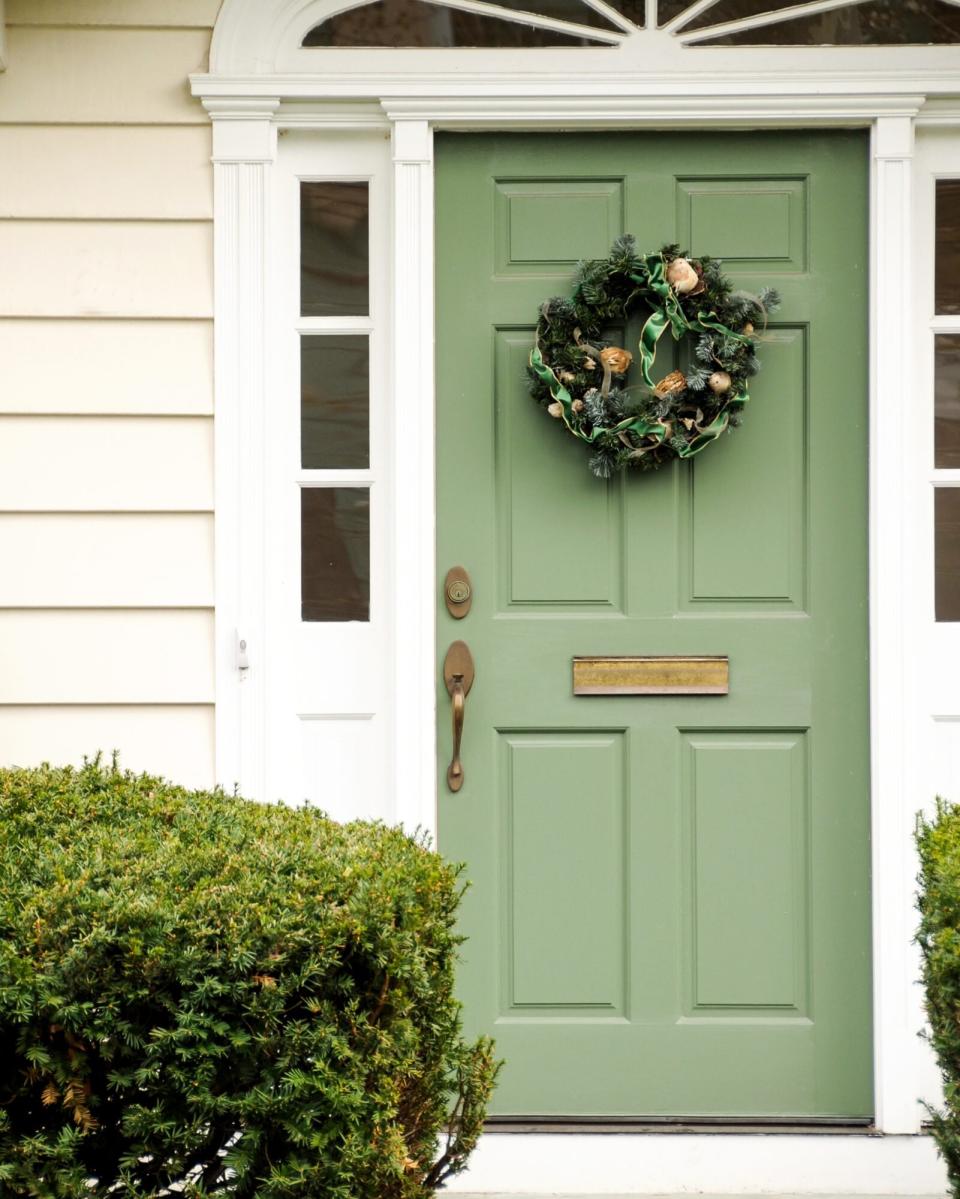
x=106 y=401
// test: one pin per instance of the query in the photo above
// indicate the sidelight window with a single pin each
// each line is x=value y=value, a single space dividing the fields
x=334 y=336
x=946 y=447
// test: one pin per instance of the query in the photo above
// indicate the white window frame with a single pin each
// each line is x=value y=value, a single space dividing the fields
x=259 y=83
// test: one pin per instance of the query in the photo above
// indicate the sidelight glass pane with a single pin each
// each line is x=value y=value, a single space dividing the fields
x=947 y=401
x=334 y=402
x=335 y=553
x=876 y=23
x=399 y=23
x=334 y=249
x=947 y=271
x=947 y=549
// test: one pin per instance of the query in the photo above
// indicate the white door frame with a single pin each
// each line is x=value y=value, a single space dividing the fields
x=258 y=85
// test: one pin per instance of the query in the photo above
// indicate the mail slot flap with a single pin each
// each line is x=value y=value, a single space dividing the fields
x=660 y=675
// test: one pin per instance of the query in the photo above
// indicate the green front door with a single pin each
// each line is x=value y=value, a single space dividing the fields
x=669 y=903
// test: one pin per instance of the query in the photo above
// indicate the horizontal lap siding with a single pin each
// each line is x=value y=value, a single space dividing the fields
x=129 y=560
x=106 y=268
x=106 y=339
x=139 y=367
x=171 y=739
x=127 y=173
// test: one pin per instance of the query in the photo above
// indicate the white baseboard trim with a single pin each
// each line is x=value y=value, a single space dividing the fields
x=657 y=1164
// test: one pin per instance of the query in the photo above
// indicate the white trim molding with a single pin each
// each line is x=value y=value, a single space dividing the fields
x=414 y=503
x=244 y=148
x=895 y=1033
x=260 y=83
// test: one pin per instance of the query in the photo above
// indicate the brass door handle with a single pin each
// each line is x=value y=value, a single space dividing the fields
x=458 y=673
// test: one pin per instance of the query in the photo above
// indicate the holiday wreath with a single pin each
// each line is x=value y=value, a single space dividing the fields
x=580 y=378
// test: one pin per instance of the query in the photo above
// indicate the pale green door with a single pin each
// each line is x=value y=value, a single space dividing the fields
x=669 y=903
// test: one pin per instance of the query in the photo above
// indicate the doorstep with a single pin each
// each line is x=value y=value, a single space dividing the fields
x=591 y=1165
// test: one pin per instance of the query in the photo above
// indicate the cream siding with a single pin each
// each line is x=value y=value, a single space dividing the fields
x=97 y=161
x=106 y=268
x=107 y=366
x=106 y=455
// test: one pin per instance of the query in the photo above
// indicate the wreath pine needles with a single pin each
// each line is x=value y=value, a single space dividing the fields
x=582 y=379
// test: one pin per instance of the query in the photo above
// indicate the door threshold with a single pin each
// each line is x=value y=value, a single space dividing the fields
x=776 y=1125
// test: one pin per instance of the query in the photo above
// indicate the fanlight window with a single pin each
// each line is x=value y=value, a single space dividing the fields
x=598 y=23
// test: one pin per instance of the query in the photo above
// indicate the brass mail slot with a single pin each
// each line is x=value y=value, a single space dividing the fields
x=651 y=676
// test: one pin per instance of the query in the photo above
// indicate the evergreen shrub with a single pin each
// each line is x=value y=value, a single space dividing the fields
x=938 y=841
x=205 y=996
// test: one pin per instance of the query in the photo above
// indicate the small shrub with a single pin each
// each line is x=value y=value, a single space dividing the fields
x=205 y=996
x=939 y=939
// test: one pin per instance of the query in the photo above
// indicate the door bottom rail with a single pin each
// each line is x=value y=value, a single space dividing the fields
x=769 y=1125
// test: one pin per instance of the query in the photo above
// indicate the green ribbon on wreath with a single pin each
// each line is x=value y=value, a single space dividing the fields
x=679 y=432
x=632 y=424
x=671 y=316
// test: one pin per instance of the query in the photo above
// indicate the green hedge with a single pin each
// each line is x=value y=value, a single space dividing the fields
x=223 y=997
x=938 y=841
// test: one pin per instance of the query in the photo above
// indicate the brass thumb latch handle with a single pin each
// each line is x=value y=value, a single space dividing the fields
x=458 y=672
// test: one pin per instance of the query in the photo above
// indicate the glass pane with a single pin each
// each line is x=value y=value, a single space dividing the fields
x=334 y=402
x=633 y=10
x=877 y=23
x=334 y=249
x=561 y=10
x=947 y=401
x=415 y=23
x=668 y=9
x=948 y=246
x=733 y=10
x=335 y=553
x=947 y=535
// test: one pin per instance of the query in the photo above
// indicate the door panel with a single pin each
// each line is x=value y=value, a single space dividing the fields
x=669 y=903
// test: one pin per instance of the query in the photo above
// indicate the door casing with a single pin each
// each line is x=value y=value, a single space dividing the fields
x=251 y=95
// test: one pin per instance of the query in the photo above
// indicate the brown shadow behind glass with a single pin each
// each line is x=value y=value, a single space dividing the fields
x=947 y=270
x=335 y=402
x=947 y=401
x=334 y=249
x=335 y=553
x=415 y=23
x=947 y=534
x=875 y=23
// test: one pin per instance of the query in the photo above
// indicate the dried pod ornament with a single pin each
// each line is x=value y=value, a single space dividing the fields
x=675 y=381
x=684 y=277
x=616 y=359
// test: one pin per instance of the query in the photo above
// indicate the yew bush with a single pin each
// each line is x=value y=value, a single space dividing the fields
x=205 y=996
x=938 y=841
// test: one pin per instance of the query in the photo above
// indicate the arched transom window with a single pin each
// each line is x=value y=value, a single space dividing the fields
x=598 y=23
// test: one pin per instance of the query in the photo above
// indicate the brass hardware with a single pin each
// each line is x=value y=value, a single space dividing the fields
x=458 y=672
x=458 y=592
x=651 y=676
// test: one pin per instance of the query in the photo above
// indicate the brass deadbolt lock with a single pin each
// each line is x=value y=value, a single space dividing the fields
x=457 y=592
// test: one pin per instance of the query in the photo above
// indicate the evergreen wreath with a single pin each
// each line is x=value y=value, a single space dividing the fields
x=580 y=378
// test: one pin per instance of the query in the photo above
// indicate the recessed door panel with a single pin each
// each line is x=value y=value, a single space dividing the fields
x=538 y=472
x=747 y=551
x=562 y=900
x=746 y=827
